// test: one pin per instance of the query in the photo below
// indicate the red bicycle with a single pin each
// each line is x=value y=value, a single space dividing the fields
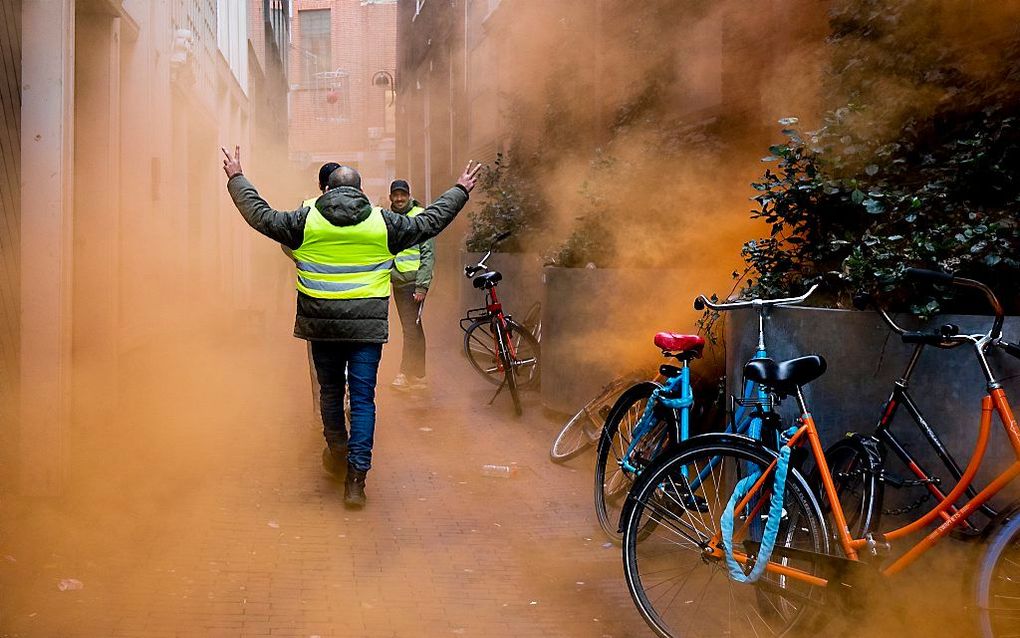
x=503 y=351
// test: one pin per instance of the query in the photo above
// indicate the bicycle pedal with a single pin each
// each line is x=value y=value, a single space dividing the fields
x=877 y=546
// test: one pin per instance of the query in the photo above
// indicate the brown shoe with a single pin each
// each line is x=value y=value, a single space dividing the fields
x=334 y=460
x=354 y=488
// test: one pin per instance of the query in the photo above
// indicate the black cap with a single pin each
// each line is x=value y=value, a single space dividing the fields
x=325 y=172
x=400 y=185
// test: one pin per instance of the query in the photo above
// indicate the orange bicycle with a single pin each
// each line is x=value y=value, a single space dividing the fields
x=756 y=560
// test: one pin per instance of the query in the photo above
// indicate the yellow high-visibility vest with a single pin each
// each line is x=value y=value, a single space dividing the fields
x=410 y=260
x=344 y=262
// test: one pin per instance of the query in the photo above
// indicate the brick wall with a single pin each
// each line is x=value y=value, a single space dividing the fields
x=352 y=129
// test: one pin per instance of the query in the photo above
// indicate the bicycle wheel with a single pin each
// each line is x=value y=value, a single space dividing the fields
x=575 y=437
x=509 y=367
x=677 y=586
x=481 y=351
x=527 y=353
x=533 y=321
x=612 y=480
x=998 y=583
x=856 y=470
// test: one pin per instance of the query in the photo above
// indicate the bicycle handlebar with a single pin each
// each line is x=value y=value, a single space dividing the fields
x=949 y=279
x=469 y=271
x=933 y=276
x=701 y=302
x=1011 y=348
x=942 y=337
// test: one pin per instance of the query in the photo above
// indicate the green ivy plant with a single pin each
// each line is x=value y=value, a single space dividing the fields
x=918 y=168
x=512 y=202
x=855 y=214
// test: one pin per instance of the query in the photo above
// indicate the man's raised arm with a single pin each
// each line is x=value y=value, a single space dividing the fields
x=286 y=227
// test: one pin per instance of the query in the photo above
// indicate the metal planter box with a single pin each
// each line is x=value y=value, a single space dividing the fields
x=864 y=359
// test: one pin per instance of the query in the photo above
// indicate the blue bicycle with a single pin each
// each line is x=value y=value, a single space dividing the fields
x=651 y=415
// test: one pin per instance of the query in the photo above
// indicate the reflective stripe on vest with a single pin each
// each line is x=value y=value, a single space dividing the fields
x=344 y=262
x=410 y=260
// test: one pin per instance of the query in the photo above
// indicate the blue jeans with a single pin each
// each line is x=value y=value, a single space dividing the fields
x=338 y=365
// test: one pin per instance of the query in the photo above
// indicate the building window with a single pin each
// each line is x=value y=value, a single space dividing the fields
x=316 y=45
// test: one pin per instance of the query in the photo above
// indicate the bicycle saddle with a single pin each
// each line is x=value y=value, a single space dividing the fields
x=488 y=280
x=786 y=376
x=673 y=342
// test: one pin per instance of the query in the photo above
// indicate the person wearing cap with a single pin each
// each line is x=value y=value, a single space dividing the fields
x=343 y=250
x=412 y=275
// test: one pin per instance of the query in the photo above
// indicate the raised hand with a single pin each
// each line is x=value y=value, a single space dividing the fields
x=232 y=165
x=469 y=177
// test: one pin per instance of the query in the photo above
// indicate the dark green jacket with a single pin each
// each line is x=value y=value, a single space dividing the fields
x=361 y=320
x=421 y=279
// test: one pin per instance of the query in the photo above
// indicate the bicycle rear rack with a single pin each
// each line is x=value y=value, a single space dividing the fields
x=473 y=315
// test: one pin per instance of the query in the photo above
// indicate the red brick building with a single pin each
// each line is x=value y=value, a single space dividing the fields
x=342 y=65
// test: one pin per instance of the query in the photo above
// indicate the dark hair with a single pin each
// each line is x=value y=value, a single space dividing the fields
x=345 y=176
x=324 y=172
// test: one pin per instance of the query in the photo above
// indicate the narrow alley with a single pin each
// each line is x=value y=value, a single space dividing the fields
x=247 y=535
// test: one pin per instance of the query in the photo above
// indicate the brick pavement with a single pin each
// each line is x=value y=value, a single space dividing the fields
x=206 y=513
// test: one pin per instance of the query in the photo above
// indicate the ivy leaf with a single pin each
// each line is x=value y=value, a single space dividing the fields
x=873 y=206
x=871 y=170
x=857 y=196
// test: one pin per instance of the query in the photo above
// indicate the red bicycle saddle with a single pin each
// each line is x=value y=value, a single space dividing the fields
x=673 y=342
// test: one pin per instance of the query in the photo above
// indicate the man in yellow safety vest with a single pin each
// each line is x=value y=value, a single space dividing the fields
x=412 y=276
x=343 y=249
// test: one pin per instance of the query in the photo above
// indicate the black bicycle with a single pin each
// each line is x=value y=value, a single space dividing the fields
x=859 y=462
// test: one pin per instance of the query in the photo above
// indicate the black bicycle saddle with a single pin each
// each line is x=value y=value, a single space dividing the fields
x=786 y=376
x=488 y=280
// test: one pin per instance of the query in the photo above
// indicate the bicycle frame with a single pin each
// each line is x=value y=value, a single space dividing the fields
x=901 y=396
x=744 y=421
x=502 y=342
x=995 y=400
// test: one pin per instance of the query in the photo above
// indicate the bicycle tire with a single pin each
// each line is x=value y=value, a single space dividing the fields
x=574 y=438
x=533 y=321
x=483 y=357
x=709 y=603
x=998 y=581
x=856 y=472
x=612 y=484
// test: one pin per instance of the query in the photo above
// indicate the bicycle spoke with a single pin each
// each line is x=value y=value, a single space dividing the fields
x=688 y=591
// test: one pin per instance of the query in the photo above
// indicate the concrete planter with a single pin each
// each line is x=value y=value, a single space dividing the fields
x=521 y=285
x=589 y=337
x=864 y=359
